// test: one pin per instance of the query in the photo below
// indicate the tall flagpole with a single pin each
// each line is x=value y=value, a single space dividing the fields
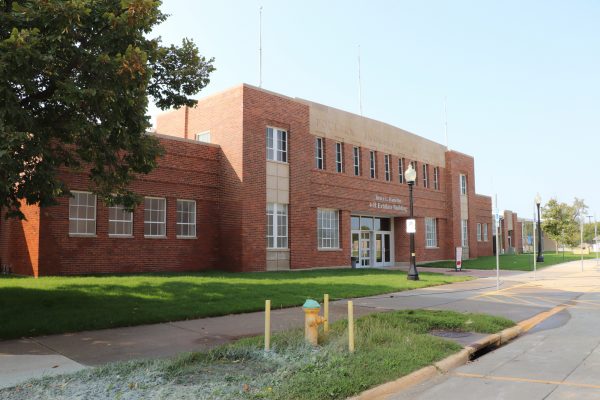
x=260 y=47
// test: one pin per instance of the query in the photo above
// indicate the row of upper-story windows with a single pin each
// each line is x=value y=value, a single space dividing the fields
x=277 y=150
x=82 y=217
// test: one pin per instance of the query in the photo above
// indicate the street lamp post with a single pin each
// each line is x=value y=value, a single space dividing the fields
x=540 y=255
x=411 y=175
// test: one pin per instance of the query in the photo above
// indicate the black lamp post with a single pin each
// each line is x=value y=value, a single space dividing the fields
x=411 y=175
x=540 y=254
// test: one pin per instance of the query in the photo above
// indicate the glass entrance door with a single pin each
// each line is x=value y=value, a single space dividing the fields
x=365 y=249
x=382 y=249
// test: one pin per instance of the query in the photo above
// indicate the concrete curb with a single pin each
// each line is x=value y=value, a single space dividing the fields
x=455 y=360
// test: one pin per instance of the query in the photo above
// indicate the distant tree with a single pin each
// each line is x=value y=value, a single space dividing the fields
x=75 y=76
x=561 y=221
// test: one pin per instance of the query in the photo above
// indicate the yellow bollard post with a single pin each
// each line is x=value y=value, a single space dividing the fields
x=326 y=313
x=350 y=327
x=267 y=325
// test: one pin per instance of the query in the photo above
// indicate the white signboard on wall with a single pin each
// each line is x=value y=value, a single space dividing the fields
x=411 y=226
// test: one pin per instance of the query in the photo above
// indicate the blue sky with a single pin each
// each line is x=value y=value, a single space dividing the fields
x=521 y=78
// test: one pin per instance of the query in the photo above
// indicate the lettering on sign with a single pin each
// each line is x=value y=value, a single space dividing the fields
x=388 y=203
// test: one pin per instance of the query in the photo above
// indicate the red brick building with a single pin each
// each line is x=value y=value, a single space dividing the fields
x=283 y=183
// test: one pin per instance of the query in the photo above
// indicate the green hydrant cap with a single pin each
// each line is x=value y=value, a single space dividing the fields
x=311 y=304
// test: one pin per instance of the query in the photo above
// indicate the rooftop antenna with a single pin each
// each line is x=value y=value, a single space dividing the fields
x=446 y=123
x=260 y=47
x=359 y=85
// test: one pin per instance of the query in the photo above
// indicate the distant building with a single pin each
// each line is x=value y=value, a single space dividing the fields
x=257 y=181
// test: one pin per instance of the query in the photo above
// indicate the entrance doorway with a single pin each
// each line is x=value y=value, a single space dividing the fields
x=372 y=241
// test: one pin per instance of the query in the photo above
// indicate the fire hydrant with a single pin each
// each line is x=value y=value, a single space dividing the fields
x=312 y=320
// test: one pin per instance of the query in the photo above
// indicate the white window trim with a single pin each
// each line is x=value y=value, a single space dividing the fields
x=194 y=224
x=463 y=188
x=320 y=153
x=485 y=232
x=276 y=227
x=425 y=175
x=388 y=172
x=401 y=169
x=434 y=240
x=464 y=229
x=337 y=230
x=164 y=221
x=479 y=232
x=85 y=219
x=356 y=160
x=197 y=136
x=436 y=178
x=120 y=235
x=275 y=148
x=339 y=157
x=372 y=164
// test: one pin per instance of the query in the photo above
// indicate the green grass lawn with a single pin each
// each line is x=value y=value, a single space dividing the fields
x=517 y=262
x=388 y=346
x=30 y=307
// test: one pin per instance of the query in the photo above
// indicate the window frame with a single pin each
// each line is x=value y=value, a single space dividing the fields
x=319 y=153
x=129 y=222
x=278 y=209
x=372 y=164
x=436 y=178
x=431 y=234
x=197 y=136
x=356 y=160
x=278 y=152
x=178 y=223
x=415 y=166
x=333 y=228
x=388 y=167
x=401 y=170
x=463 y=184
x=464 y=229
x=485 y=232
x=425 y=175
x=479 y=232
x=339 y=157
x=163 y=223
x=95 y=219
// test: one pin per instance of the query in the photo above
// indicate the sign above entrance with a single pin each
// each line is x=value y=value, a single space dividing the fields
x=388 y=203
x=411 y=226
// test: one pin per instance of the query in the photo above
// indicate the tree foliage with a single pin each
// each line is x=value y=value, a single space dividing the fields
x=561 y=221
x=75 y=76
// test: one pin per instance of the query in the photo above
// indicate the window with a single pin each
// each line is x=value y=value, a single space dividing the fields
x=414 y=165
x=463 y=184
x=373 y=164
x=155 y=217
x=120 y=221
x=431 y=232
x=328 y=229
x=464 y=233
x=388 y=172
x=276 y=144
x=425 y=175
x=485 y=232
x=277 y=226
x=356 y=156
x=203 y=137
x=479 y=232
x=186 y=219
x=82 y=213
x=401 y=170
x=339 y=157
x=436 y=178
x=319 y=154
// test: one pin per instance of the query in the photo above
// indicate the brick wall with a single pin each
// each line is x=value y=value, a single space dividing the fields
x=19 y=242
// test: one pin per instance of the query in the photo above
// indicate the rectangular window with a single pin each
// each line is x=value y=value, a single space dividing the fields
x=485 y=232
x=277 y=226
x=414 y=165
x=463 y=184
x=120 y=221
x=401 y=170
x=464 y=233
x=431 y=232
x=388 y=172
x=425 y=175
x=276 y=144
x=436 y=178
x=155 y=217
x=356 y=156
x=186 y=219
x=82 y=213
x=339 y=157
x=479 y=232
x=328 y=229
x=319 y=154
x=373 y=163
x=203 y=137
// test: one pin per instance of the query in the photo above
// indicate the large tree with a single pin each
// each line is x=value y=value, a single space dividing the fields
x=560 y=221
x=75 y=76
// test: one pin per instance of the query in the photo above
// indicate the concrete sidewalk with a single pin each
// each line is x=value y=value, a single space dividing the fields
x=49 y=355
